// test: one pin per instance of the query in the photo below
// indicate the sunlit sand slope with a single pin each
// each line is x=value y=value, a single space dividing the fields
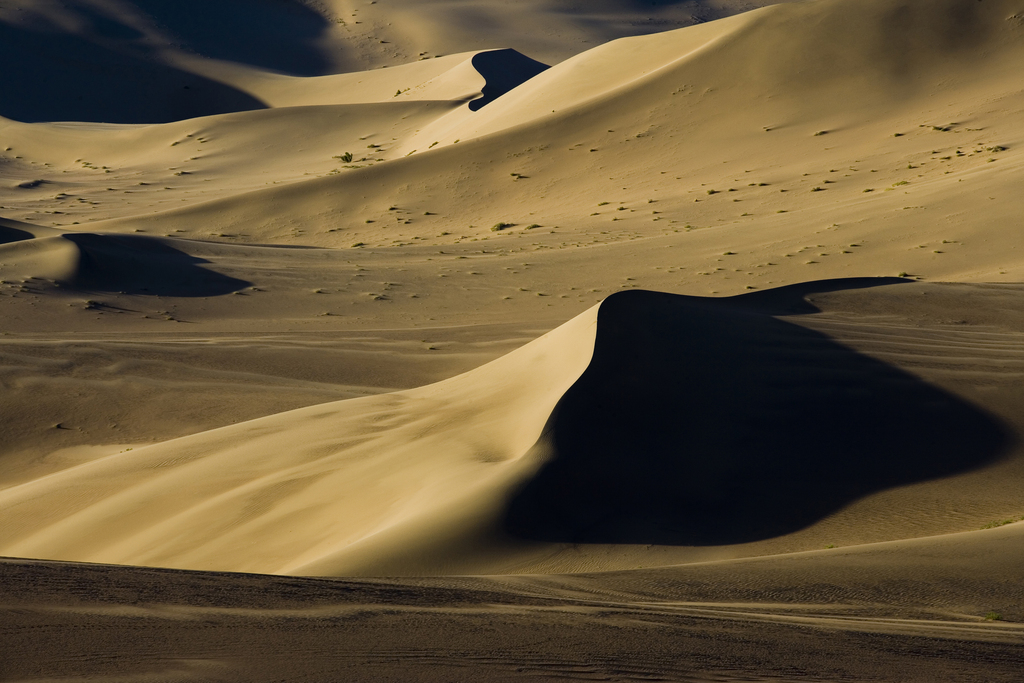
x=279 y=493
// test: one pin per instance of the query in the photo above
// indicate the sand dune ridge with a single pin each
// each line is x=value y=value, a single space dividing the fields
x=684 y=401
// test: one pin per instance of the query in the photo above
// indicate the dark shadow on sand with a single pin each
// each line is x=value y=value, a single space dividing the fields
x=709 y=421
x=144 y=265
x=109 y=71
x=8 y=235
x=103 y=84
x=279 y=35
x=502 y=70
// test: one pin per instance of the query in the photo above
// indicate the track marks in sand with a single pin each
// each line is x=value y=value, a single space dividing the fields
x=504 y=628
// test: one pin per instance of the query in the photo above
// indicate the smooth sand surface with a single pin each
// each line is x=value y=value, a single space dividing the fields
x=681 y=326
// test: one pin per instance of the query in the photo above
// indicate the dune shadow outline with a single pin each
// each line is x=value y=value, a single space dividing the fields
x=138 y=265
x=108 y=70
x=9 y=234
x=502 y=71
x=711 y=421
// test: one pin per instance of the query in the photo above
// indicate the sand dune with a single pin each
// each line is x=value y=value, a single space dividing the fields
x=443 y=446
x=676 y=432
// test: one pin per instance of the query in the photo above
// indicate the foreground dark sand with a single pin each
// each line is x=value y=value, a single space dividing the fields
x=900 y=611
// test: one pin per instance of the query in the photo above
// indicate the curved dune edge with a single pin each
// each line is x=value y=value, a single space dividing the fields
x=283 y=492
x=456 y=77
x=705 y=427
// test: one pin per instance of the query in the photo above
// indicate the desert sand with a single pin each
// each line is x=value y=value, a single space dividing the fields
x=487 y=341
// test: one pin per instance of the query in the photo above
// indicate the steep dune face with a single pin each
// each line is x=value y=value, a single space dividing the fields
x=549 y=30
x=700 y=423
x=654 y=419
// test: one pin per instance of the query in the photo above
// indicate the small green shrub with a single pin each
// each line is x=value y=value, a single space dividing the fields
x=501 y=226
x=1002 y=522
x=346 y=157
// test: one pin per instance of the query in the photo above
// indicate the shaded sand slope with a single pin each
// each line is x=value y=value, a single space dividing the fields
x=117 y=73
x=692 y=427
x=902 y=611
x=708 y=428
x=127 y=264
x=118 y=52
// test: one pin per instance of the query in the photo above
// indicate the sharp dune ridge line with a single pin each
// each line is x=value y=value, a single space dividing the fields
x=668 y=340
x=371 y=465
